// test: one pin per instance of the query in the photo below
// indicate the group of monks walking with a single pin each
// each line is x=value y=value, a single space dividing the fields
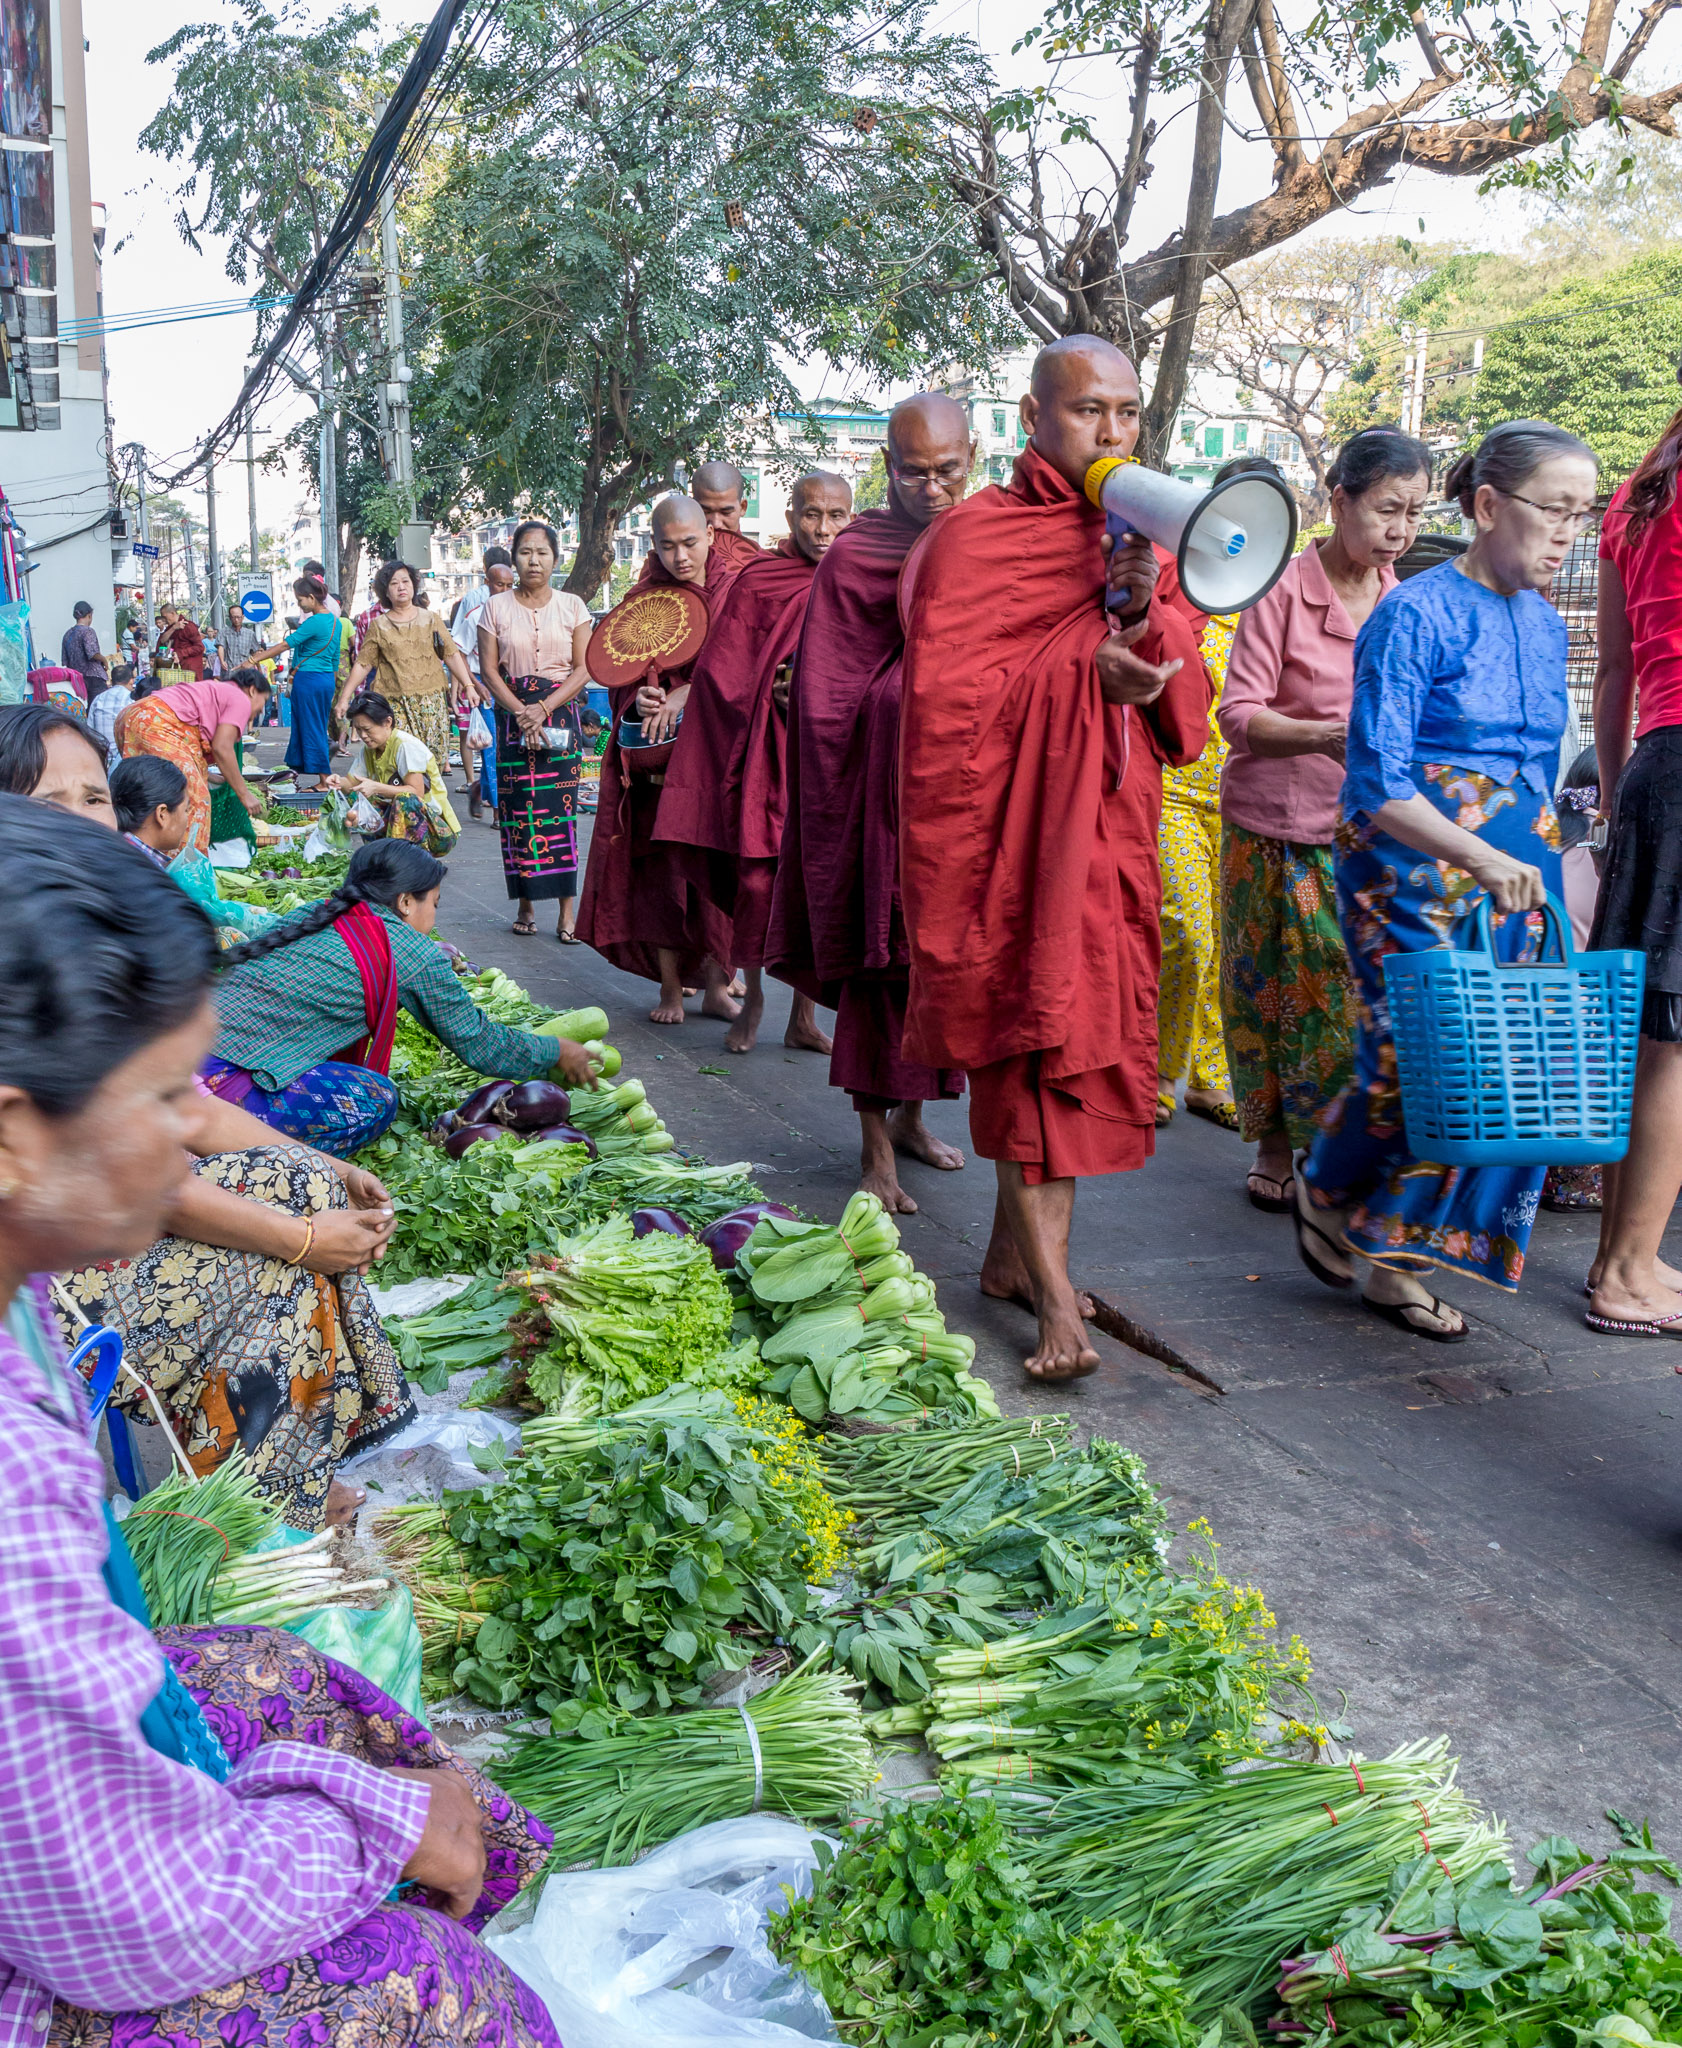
x=914 y=772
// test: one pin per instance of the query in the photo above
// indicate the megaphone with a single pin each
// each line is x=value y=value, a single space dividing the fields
x=1232 y=543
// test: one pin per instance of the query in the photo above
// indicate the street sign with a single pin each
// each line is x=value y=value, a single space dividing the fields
x=145 y=547
x=257 y=606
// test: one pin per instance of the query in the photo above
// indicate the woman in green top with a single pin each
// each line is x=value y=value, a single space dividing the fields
x=314 y=648
x=309 y=1011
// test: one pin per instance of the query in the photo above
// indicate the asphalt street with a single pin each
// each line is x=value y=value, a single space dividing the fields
x=1483 y=1539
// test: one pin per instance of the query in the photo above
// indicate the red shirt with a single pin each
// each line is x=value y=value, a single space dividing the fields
x=1652 y=577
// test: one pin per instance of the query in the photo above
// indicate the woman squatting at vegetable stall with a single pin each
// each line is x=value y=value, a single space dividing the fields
x=244 y=1334
x=246 y=1896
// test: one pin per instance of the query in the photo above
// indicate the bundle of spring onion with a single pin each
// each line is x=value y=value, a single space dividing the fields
x=893 y=1481
x=194 y=1545
x=639 y=1180
x=449 y=1602
x=1179 y=1670
x=611 y=1786
x=630 y=1315
x=1231 y=1875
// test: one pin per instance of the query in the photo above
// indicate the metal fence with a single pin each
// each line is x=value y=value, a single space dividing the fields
x=1574 y=592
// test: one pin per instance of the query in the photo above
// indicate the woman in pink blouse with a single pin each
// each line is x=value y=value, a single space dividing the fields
x=531 y=655
x=1287 y=1002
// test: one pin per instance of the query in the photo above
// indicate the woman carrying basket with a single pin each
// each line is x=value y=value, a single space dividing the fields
x=1454 y=737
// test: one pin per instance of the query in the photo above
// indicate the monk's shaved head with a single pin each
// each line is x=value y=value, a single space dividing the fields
x=930 y=453
x=1082 y=403
x=722 y=493
x=681 y=538
x=819 y=506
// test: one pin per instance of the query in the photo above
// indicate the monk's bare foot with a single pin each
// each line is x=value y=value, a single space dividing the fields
x=883 y=1183
x=1005 y=1278
x=803 y=1034
x=910 y=1135
x=738 y=987
x=716 y=1003
x=668 y=1010
x=744 y=1033
x=342 y=1503
x=1063 y=1352
x=878 y=1174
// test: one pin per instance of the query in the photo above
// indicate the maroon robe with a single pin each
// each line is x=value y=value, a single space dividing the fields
x=636 y=900
x=836 y=932
x=724 y=799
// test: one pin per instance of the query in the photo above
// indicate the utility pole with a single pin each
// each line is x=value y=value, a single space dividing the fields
x=251 y=488
x=135 y=449
x=328 y=462
x=414 y=540
x=1421 y=340
x=187 y=559
x=215 y=563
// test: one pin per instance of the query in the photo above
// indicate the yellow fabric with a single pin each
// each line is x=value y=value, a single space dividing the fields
x=1189 y=1002
x=1199 y=782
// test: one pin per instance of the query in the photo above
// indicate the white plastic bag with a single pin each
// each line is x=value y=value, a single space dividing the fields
x=479 y=733
x=607 y=1949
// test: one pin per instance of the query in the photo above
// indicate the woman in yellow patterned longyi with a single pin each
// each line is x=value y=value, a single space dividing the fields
x=1191 y=1045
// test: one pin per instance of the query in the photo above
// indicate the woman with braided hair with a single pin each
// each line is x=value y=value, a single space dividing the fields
x=309 y=1010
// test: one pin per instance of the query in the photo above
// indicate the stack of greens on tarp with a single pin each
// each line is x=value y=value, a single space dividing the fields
x=849 y=1324
x=925 y=1931
x=613 y=1786
x=630 y=1571
x=1482 y=1963
x=1233 y=1873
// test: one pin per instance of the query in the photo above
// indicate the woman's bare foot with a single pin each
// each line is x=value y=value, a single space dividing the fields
x=342 y=1504
x=908 y=1133
x=1666 y=1276
x=1062 y=1352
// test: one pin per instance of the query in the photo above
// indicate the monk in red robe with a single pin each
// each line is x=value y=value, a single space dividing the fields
x=721 y=491
x=836 y=929
x=724 y=799
x=637 y=908
x=1033 y=731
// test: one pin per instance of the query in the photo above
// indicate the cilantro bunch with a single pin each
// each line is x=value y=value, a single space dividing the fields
x=633 y=1570
x=924 y=1930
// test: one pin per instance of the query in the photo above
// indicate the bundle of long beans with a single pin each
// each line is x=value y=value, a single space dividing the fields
x=895 y=1480
x=610 y=1795
x=1230 y=1876
x=184 y=1532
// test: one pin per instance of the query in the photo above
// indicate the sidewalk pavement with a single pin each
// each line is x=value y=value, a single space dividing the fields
x=1483 y=1538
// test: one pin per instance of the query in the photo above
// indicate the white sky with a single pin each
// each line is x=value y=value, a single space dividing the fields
x=171 y=384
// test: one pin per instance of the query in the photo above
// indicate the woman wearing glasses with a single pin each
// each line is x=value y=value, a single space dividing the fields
x=1640 y=639
x=1454 y=735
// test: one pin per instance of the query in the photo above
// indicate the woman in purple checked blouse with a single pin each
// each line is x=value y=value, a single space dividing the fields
x=199 y=1827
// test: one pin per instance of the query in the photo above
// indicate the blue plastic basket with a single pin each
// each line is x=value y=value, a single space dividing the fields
x=1504 y=1063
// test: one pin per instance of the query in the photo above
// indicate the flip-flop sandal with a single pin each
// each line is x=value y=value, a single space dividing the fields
x=524 y=928
x=1397 y=1312
x=1326 y=1275
x=1280 y=1204
x=1651 y=1326
x=1165 y=1106
x=1221 y=1113
x=569 y=938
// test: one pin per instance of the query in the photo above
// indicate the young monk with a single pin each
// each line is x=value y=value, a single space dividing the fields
x=836 y=929
x=637 y=909
x=721 y=491
x=725 y=793
x=1032 y=736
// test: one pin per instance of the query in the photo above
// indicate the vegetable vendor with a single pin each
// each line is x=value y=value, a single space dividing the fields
x=150 y=798
x=401 y=777
x=1447 y=804
x=204 y=1763
x=193 y=724
x=314 y=647
x=309 y=1010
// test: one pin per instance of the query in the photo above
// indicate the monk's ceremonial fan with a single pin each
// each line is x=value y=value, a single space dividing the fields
x=649 y=634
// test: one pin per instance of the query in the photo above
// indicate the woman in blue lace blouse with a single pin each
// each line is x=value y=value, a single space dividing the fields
x=1454 y=737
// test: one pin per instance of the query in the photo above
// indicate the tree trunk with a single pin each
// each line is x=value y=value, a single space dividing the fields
x=597 y=518
x=350 y=567
x=1227 y=22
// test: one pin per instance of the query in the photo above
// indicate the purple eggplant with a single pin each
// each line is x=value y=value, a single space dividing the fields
x=293 y=874
x=668 y=1220
x=481 y=1104
x=470 y=1134
x=562 y=1134
x=533 y=1106
x=725 y=1238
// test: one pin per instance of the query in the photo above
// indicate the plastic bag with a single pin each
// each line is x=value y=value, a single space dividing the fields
x=364 y=818
x=479 y=732
x=606 y=1949
x=383 y=1643
x=14 y=654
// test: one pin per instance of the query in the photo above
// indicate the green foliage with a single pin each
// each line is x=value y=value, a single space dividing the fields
x=871 y=490
x=596 y=314
x=631 y=1571
x=1598 y=358
x=923 y=1929
x=486 y=1212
